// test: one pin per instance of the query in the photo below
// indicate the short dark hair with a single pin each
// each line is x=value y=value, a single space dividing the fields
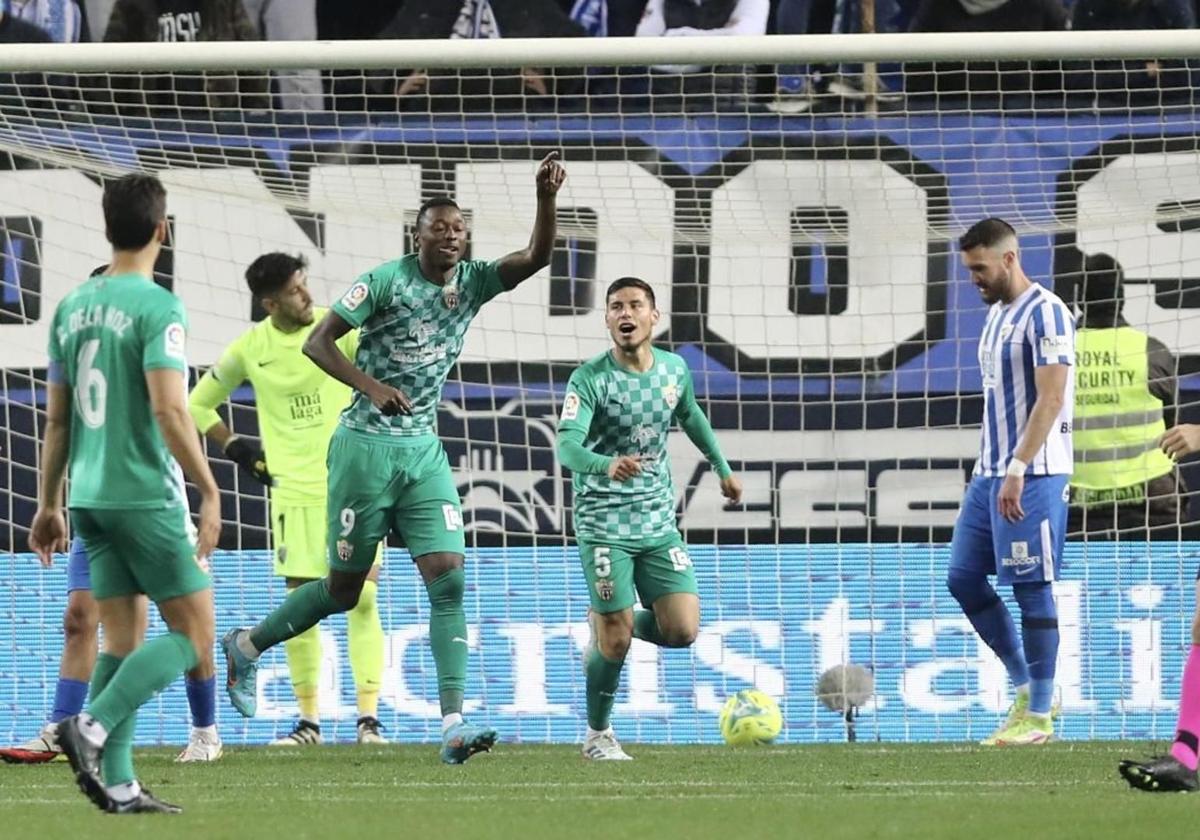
x=98 y=270
x=630 y=283
x=432 y=203
x=133 y=206
x=989 y=233
x=1101 y=285
x=270 y=272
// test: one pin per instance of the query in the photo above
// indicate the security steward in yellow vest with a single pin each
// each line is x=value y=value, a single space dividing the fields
x=1124 y=401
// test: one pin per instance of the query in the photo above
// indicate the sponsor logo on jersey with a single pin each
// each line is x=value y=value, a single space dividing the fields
x=671 y=395
x=356 y=295
x=570 y=409
x=174 y=339
x=1059 y=345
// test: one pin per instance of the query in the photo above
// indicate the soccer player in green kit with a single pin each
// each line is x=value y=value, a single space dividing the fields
x=612 y=434
x=387 y=468
x=297 y=405
x=117 y=416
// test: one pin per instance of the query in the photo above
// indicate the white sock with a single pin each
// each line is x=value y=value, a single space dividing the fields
x=247 y=647
x=209 y=732
x=596 y=733
x=452 y=719
x=92 y=730
x=124 y=791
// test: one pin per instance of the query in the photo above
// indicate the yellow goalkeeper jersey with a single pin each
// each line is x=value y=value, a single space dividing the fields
x=298 y=404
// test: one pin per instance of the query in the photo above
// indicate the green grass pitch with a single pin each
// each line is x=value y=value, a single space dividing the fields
x=855 y=791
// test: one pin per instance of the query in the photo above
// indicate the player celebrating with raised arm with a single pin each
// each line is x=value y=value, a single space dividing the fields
x=117 y=414
x=387 y=468
x=1176 y=771
x=1012 y=523
x=297 y=406
x=612 y=435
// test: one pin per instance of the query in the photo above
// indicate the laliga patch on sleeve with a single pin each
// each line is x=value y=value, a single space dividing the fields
x=357 y=294
x=1059 y=345
x=570 y=406
x=174 y=339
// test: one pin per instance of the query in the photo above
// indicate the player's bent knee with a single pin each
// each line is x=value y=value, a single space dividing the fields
x=79 y=624
x=345 y=589
x=680 y=636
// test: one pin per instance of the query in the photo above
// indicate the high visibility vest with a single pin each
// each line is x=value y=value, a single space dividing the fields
x=1117 y=420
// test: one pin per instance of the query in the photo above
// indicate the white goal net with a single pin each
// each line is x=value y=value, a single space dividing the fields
x=797 y=214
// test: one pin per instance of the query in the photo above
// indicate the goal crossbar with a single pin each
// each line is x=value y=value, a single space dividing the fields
x=567 y=52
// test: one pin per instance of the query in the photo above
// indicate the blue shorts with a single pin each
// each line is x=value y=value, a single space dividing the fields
x=1029 y=551
x=78 y=574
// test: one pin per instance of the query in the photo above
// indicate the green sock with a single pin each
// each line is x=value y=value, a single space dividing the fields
x=305 y=606
x=142 y=674
x=448 y=637
x=645 y=627
x=117 y=763
x=603 y=679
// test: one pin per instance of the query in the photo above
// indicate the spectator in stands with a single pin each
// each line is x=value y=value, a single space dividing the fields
x=1125 y=83
x=800 y=87
x=14 y=30
x=97 y=13
x=22 y=92
x=1125 y=384
x=984 y=81
x=694 y=86
x=460 y=90
x=62 y=20
x=290 y=20
x=188 y=20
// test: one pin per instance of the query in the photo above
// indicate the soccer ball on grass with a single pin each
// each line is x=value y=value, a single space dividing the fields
x=750 y=717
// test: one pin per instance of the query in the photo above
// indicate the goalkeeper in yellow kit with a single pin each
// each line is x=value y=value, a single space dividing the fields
x=298 y=406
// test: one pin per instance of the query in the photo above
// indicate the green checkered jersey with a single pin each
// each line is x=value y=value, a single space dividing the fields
x=612 y=411
x=411 y=335
x=105 y=335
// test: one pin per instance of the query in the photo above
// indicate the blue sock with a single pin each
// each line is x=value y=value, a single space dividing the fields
x=1039 y=629
x=69 y=696
x=202 y=698
x=991 y=620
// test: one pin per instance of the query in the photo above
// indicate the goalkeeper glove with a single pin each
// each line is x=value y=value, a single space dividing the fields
x=252 y=459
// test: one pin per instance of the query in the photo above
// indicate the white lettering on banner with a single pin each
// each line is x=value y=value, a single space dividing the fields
x=711 y=649
x=1068 y=677
x=635 y=236
x=749 y=273
x=918 y=686
x=527 y=644
x=834 y=632
x=747 y=651
x=409 y=641
x=1145 y=653
x=902 y=496
x=1112 y=209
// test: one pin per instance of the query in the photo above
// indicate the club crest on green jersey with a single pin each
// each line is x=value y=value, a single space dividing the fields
x=671 y=395
x=450 y=296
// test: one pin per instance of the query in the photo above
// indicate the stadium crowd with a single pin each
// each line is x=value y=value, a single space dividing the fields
x=788 y=89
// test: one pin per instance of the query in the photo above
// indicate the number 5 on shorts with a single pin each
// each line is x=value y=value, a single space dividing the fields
x=602 y=561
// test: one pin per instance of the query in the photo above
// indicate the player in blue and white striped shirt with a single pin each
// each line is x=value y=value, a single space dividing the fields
x=1013 y=520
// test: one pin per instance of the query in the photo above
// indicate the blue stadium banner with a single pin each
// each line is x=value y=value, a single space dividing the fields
x=775 y=617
